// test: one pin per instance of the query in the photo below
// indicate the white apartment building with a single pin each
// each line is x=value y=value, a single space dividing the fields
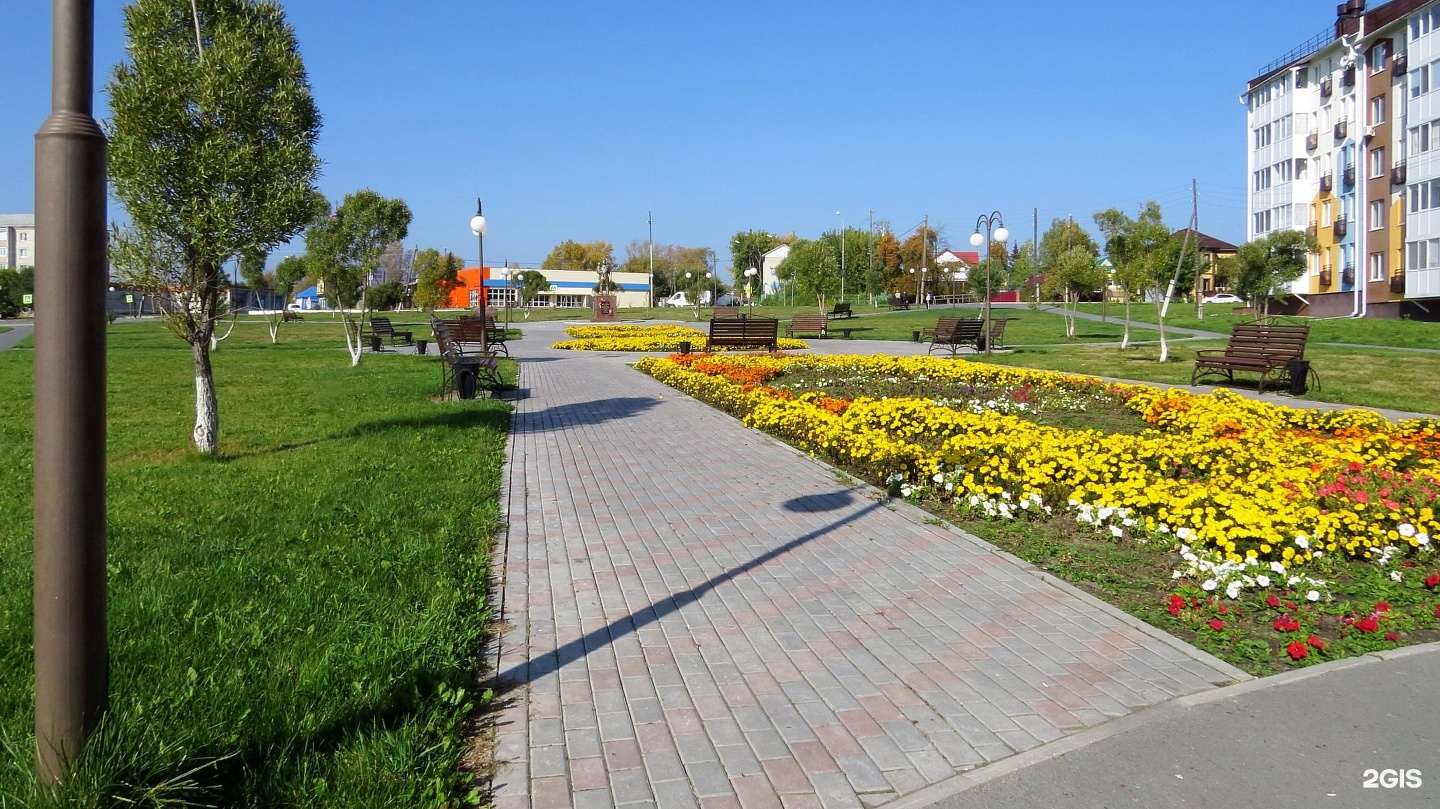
x=1338 y=140
x=17 y=240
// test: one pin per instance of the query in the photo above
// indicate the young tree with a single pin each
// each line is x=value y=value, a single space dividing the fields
x=1138 y=250
x=288 y=273
x=1064 y=235
x=532 y=284
x=344 y=249
x=15 y=284
x=211 y=153
x=748 y=249
x=814 y=267
x=1266 y=265
x=1074 y=273
x=436 y=276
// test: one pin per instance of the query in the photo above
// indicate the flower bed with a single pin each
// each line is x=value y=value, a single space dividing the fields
x=1247 y=488
x=626 y=337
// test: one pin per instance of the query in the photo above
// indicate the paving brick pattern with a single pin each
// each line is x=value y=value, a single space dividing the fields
x=702 y=618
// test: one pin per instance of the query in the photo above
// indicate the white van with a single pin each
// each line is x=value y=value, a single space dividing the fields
x=678 y=299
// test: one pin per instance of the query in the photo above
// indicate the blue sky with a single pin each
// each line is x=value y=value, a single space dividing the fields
x=573 y=120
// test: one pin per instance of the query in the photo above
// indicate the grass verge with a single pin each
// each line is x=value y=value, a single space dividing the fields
x=294 y=623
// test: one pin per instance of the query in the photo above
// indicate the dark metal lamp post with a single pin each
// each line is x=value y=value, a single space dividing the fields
x=480 y=227
x=999 y=235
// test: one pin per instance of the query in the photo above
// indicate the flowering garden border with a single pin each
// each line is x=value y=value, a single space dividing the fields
x=630 y=337
x=1249 y=495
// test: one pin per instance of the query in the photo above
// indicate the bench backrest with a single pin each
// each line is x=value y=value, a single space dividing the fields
x=727 y=311
x=1276 y=343
x=380 y=324
x=744 y=328
x=808 y=322
x=842 y=307
x=958 y=330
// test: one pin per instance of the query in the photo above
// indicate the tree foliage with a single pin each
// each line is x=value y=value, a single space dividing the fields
x=533 y=283
x=1064 y=235
x=15 y=284
x=344 y=247
x=573 y=255
x=814 y=267
x=1269 y=264
x=436 y=276
x=748 y=249
x=211 y=153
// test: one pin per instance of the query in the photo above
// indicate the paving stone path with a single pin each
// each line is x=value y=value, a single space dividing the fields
x=700 y=616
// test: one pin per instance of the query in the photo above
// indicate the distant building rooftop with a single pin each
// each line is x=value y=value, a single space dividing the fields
x=17 y=220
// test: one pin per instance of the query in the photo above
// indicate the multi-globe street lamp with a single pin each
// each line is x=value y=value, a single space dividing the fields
x=842 y=254
x=995 y=231
x=920 y=289
x=751 y=286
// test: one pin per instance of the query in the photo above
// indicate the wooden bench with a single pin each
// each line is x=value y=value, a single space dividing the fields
x=955 y=333
x=462 y=370
x=750 y=332
x=842 y=309
x=807 y=323
x=997 y=332
x=494 y=332
x=726 y=311
x=380 y=327
x=288 y=315
x=898 y=302
x=1256 y=347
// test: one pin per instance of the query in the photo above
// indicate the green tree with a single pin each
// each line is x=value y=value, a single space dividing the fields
x=1140 y=251
x=290 y=271
x=573 y=255
x=15 y=284
x=533 y=283
x=1064 y=235
x=436 y=276
x=385 y=295
x=1074 y=273
x=344 y=249
x=814 y=267
x=748 y=249
x=211 y=153
x=1271 y=263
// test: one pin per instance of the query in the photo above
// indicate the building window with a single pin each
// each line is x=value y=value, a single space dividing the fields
x=1377 y=215
x=1328 y=212
x=1262 y=222
x=1377 y=110
x=1377 y=266
x=1419 y=81
x=23 y=236
x=1424 y=196
x=474 y=298
x=1377 y=162
x=1423 y=254
x=1380 y=57
x=1262 y=179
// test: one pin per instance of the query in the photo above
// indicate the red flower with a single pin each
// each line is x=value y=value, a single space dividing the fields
x=1392 y=636
x=1223 y=609
x=1217 y=624
x=1433 y=580
x=1286 y=623
x=1370 y=623
x=1383 y=606
x=1177 y=603
x=1297 y=650
x=1316 y=642
x=1273 y=601
x=1289 y=605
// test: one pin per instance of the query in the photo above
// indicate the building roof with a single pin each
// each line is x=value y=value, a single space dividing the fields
x=1210 y=243
x=964 y=257
x=17 y=220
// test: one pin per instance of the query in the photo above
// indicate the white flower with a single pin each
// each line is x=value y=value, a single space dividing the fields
x=1164 y=529
x=1262 y=580
x=1232 y=590
x=1116 y=532
x=1175 y=574
x=1422 y=538
x=1185 y=533
x=1277 y=568
x=1396 y=575
x=1313 y=595
x=1406 y=529
x=1301 y=542
x=1209 y=585
x=1292 y=581
x=939 y=477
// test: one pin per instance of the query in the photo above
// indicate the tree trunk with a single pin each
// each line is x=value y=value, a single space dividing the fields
x=1125 y=341
x=207 y=416
x=1164 y=346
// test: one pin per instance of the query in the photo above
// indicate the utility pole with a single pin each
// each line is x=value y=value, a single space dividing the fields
x=650 y=217
x=870 y=252
x=72 y=664
x=1175 y=278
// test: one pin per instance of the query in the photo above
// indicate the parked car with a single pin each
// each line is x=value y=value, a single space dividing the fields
x=728 y=299
x=678 y=299
x=1222 y=297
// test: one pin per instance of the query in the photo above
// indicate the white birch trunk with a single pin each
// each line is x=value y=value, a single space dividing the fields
x=1125 y=340
x=207 y=416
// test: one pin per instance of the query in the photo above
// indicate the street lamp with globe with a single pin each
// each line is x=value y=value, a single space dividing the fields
x=751 y=282
x=480 y=227
x=995 y=231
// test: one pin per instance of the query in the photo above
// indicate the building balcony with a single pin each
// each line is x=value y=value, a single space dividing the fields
x=1340 y=228
x=1327 y=182
x=1397 y=174
x=1347 y=275
x=1312 y=141
x=1326 y=278
x=1327 y=87
x=1347 y=77
x=1397 y=284
x=1342 y=128
x=1349 y=175
x=1313 y=230
x=1400 y=64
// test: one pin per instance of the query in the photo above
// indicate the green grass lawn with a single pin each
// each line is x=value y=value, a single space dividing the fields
x=301 y=617
x=1220 y=318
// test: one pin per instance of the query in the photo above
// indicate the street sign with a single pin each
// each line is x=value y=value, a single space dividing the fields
x=27 y=299
x=129 y=298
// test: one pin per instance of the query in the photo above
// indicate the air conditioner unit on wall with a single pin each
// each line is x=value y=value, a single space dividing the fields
x=1369 y=132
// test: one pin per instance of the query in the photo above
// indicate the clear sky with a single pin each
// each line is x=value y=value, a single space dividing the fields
x=573 y=120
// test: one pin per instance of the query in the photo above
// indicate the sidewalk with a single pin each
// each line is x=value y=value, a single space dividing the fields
x=700 y=616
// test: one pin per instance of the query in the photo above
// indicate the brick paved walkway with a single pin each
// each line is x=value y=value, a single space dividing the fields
x=702 y=617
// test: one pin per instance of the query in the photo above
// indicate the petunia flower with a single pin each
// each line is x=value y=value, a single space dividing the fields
x=1217 y=624
x=1392 y=636
x=1316 y=642
x=1433 y=580
x=1297 y=650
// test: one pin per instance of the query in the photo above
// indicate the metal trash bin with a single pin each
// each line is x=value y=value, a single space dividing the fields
x=375 y=342
x=684 y=346
x=465 y=382
x=420 y=346
x=915 y=336
x=1299 y=371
